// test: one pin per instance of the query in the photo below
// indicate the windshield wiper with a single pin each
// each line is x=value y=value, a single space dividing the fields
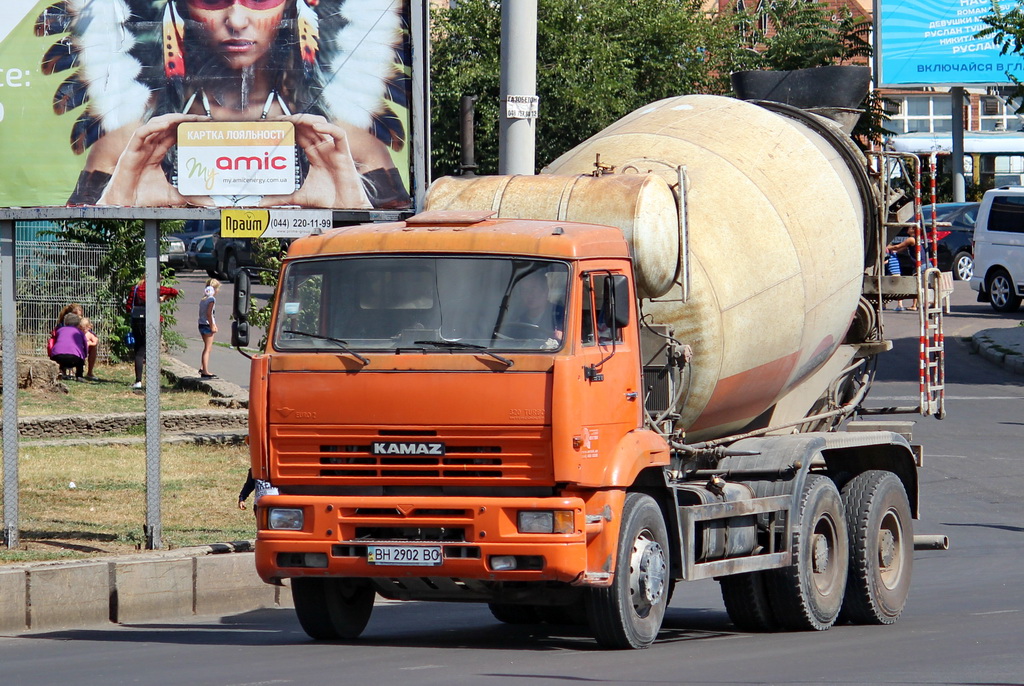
x=341 y=344
x=458 y=345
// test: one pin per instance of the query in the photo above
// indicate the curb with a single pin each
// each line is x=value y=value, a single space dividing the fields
x=1003 y=347
x=176 y=584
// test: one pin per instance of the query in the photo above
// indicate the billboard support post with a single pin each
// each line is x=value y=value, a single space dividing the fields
x=8 y=345
x=154 y=528
x=957 y=95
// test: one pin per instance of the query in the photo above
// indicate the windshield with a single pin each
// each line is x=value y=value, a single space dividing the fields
x=435 y=304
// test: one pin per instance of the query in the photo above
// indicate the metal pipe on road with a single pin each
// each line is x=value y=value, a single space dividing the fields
x=931 y=542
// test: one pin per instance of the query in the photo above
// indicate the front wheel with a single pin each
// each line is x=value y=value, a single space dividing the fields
x=808 y=595
x=963 y=266
x=881 y=548
x=331 y=609
x=1002 y=294
x=628 y=613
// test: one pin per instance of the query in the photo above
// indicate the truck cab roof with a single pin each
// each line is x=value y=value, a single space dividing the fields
x=466 y=232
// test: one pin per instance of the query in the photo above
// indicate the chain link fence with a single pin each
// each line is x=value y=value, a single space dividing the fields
x=50 y=274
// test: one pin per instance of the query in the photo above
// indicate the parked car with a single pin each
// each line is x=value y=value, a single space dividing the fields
x=201 y=255
x=172 y=252
x=999 y=249
x=955 y=242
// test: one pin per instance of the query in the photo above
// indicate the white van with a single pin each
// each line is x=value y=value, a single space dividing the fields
x=999 y=249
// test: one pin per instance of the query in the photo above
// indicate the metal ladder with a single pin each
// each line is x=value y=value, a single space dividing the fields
x=929 y=286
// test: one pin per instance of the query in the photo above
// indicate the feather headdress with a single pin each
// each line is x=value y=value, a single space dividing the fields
x=122 y=54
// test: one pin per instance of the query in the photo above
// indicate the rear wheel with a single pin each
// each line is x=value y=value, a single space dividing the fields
x=746 y=601
x=331 y=609
x=881 y=548
x=231 y=266
x=963 y=266
x=808 y=595
x=1002 y=294
x=628 y=613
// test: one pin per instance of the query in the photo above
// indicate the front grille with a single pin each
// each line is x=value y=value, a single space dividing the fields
x=505 y=456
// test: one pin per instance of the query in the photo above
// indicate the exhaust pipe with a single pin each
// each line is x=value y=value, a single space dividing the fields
x=931 y=542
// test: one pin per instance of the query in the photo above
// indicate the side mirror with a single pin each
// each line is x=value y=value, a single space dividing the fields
x=240 y=306
x=617 y=294
x=239 y=334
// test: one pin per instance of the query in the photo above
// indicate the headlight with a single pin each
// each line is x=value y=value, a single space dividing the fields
x=545 y=522
x=289 y=519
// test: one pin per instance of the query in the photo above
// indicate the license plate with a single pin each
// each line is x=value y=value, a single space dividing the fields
x=410 y=555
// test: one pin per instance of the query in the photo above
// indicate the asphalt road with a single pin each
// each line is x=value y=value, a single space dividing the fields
x=963 y=624
x=225 y=361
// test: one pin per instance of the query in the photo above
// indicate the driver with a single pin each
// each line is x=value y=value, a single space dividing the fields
x=531 y=306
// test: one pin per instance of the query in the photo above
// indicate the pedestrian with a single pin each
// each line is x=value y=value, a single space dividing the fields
x=91 y=339
x=247 y=488
x=136 y=305
x=69 y=348
x=207 y=326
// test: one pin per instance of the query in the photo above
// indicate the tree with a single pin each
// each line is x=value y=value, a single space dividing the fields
x=1006 y=29
x=122 y=268
x=597 y=60
x=800 y=35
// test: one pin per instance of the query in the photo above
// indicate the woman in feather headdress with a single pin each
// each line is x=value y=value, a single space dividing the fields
x=241 y=60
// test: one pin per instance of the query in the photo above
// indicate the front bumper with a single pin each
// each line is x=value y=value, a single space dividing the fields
x=470 y=532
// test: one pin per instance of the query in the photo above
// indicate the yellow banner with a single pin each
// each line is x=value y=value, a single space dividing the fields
x=244 y=223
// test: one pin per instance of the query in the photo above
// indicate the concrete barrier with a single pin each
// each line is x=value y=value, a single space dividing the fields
x=213 y=580
x=13 y=601
x=147 y=590
x=68 y=596
x=225 y=583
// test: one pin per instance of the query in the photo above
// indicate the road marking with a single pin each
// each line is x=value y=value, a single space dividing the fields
x=971 y=398
x=994 y=612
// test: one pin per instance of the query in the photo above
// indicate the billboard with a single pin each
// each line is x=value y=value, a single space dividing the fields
x=209 y=103
x=933 y=43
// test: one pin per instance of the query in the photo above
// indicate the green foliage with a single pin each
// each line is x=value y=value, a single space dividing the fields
x=1006 y=29
x=122 y=268
x=801 y=35
x=267 y=254
x=597 y=60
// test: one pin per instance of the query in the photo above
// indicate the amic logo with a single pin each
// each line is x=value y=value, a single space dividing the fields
x=399 y=448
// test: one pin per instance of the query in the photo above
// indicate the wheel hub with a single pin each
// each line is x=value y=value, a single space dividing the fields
x=821 y=554
x=650 y=571
x=886 y=549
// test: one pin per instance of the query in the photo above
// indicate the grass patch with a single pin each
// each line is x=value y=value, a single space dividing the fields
x=112 y=393
x=105 y=512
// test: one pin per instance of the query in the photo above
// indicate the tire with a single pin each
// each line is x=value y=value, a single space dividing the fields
x=746 y=601
x=963 y=266
x=628 y=613
x=231 y=266
x=881 y=548
x=574 y=614
x=1001 y=292
x=332 y=609
x=808 y=595
x=515 y=614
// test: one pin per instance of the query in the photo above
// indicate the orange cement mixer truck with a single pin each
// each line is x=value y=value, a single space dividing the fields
x=562 y=394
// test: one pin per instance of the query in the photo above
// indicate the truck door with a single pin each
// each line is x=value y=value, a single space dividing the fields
x=600 y=401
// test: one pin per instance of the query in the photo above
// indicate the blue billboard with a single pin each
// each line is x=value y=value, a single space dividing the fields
x=934 y=43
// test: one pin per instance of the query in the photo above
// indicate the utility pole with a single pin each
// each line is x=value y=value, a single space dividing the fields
x=517 y=132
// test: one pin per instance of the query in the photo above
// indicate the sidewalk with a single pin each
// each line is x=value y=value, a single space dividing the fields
x=1003 y=347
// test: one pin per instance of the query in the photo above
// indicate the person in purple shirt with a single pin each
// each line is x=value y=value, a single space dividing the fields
x=69 y=350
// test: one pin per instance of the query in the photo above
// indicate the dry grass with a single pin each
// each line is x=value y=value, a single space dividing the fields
x=105 y=511
x=112 y=393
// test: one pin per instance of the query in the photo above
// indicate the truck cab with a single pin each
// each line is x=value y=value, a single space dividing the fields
x=405 y=411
